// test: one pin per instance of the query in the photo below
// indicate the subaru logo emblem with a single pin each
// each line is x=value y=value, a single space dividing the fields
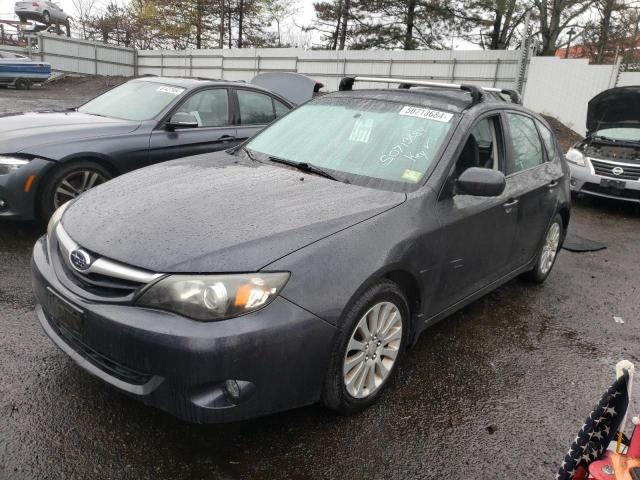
x=617 y=170
x=80 y=259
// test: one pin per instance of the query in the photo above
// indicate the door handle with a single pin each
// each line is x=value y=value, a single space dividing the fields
x=552 y=185
x=227 y=138
x=510 y=204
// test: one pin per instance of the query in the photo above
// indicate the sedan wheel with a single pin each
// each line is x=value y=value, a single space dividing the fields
x=372 y=350
x=75 y=183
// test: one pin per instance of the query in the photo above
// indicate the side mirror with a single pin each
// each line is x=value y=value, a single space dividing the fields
x=481 y=182
x=182 y=120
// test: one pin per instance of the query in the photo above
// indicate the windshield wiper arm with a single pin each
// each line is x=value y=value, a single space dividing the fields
x=305 y=167
x=250 y=154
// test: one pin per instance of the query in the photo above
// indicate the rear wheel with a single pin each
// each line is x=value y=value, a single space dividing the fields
x=46 y=17
x=67 y=182
x=23 y=84
x=548 y=252
x=368 y=349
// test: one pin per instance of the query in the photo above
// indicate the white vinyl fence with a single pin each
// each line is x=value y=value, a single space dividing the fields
x=563 y=87
x=488 y=68
x=553 y=86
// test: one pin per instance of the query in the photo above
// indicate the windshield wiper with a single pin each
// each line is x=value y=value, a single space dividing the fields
x=305 y=167
x=613 y=141
x=249 y=154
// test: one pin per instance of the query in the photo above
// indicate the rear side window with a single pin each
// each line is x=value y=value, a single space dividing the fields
x=281 y=108
x=525 y=143
x=210 y=107
x=255 y=108
x=549 y=142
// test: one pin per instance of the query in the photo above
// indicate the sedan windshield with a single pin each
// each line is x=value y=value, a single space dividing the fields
x=136 y=100
x=622 y=134
x=364 y=141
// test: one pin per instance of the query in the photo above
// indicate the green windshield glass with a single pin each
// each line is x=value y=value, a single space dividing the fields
x=625 y=133
x=136 y=100
x=362 y=137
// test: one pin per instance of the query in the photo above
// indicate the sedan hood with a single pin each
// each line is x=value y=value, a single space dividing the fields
x=216 y=213
x=614 y=108
x=19 y=132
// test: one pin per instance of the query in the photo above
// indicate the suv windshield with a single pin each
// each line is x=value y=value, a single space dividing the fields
x=136 y=100
x=363 y=141
x=624 y=134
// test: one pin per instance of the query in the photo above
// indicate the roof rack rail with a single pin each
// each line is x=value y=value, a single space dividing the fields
x=477 y=93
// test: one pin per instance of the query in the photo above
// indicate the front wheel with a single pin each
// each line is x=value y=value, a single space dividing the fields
x=367 y=350
x=67 y=182
x=47 y=18
x=548 y=252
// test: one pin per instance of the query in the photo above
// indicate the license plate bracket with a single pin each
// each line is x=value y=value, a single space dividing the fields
x=612 y=184
x=66 y=315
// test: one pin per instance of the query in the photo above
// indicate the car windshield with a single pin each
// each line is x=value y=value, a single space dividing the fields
x=372 y=142
x=136 y=100
x=623 y=134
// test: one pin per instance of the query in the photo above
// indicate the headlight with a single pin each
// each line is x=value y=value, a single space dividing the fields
x=214 y=297
x=11 y=164
x=55 y=219
x=575 y=156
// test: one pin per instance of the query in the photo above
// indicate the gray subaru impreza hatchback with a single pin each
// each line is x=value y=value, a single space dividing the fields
x=300 y=266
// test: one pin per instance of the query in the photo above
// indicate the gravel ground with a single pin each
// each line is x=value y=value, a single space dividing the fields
x=496 y=391
x=66 y=92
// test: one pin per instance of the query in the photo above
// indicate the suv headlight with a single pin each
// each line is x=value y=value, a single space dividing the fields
x=214 y=297
x=575 y=156
x=11 y=164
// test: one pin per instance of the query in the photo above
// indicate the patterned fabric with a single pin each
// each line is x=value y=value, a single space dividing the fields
x=598 y=430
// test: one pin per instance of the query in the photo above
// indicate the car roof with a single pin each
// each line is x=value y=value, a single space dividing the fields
x=195 y=82
x=429 y=97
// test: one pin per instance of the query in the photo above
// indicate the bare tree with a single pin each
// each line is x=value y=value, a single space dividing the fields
x=84 y=10
x=278 y=12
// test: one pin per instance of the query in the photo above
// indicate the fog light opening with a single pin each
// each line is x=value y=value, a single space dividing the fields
x=573 y=182
x=3 y=204
x=233 y=390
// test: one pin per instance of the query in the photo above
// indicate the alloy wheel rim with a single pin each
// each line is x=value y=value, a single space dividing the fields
x=372 y=350
x=74 y=184
x=550 y=248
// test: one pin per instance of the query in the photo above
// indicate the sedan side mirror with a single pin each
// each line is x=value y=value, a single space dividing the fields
x=481 y=182
x=183 y=120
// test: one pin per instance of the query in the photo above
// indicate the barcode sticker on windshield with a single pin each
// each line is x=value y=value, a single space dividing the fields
x=361 y=130
x=171 y=90
x=426 y=113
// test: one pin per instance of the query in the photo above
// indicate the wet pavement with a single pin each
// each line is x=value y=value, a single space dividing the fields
x=496 y=391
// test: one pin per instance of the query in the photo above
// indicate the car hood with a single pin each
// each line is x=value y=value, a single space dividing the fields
x=614 y=108
x=216 y=213
x=20 y=132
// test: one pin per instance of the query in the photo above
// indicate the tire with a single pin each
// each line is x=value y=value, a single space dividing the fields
x=544 y=264
x=51 y=196
x=22 y=19
x=22 y=84
x=361 y=365
x=46 y=17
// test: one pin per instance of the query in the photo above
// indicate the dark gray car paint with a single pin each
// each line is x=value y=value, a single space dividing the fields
x=230 y=214
x=443 y=249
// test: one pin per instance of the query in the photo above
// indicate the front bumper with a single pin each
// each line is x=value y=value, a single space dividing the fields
x=15 y=202
x=278 y=356
x=584 y=180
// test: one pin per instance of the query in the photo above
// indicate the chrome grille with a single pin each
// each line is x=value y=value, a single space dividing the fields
x=104 y=278
x=606 y=169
